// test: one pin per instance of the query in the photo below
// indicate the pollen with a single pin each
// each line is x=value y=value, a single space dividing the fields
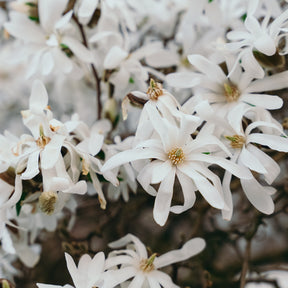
x=42 y=141
x=237 y=141
x=176 y=156
x=231 y=92
x=146 y=265
x=47 y=201
x=155 y=90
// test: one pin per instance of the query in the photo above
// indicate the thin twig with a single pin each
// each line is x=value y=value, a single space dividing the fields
x=94 y=71
x=245 y=265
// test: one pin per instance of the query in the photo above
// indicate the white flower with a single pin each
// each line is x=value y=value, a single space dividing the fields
x=175 y=153
x=48 y=40
x=248 y=155
x=89 y=272
x=136 y=264
x=236 y=89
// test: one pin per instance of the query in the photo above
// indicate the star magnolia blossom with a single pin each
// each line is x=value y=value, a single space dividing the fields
x=239 y=88
x=88 y=274
x=248 y=155
x=175 y=153
x=135 y=263
x=47 y=39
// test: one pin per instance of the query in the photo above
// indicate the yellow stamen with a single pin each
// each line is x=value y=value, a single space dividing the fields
x=146 y=265
x=237 y=141
x=47 y=201
x=176 y=156
x=231 y=92
x=155 y=90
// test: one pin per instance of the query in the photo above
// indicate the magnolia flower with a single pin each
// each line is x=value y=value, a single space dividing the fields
x=264 y=37
x=89 y=272
x=48 y=40
x=136 y=264
x=249 y=155
x=175 y=153
x=235 y=90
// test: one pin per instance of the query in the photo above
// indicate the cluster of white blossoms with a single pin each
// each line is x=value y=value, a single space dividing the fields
x=228 y=62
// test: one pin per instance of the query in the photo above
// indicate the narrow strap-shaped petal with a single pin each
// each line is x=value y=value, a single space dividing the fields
x=258 y=195
x=189 y=249
x=188 y=190
x=160 y=170
x=270 y=102
x=51 y=152
x=115 y=277
x=38 y=100
x=117 y=260
x=139 y=246
x=32 y=168
x=272 y=141
x=137 y=281
x=114 y=57
x=238 y=171
x=183 y=79
x=164 y=280
x=250 y=161
x=269 y=163
x=209 y=192
x=212 y=70
x=163 y=198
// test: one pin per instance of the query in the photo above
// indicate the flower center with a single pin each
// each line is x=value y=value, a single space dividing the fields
x=47 y=202
x=155 y=90
x=146 y=265
x=43 y=140
x=176 y=156
x=231 y=92
x=237 y=141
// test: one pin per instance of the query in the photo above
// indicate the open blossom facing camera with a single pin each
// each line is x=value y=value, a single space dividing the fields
x=143 y=269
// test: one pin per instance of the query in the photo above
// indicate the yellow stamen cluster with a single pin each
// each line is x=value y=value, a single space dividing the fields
x=176 y=156
x=146 y=265
x=237 y=141
x=231 y=92
x=155 y=90
x=43 y=140
x=47 y=201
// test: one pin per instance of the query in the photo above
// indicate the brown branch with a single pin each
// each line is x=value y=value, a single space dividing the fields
x=94 y=71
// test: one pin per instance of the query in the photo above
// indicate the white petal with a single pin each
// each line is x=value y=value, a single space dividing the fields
x=258 y=195
x=64 y=20
x=114 y=57
x=139 y=246
x=209 y=192
x=162 y=58
x=79 y=188
x=78 y=49
x=189 y=249
x=23 y=28
x=137 y=281
x=238 y=171
x=270 y=102
x=188 y=189
x=272 y=141
x=160 y=170
x=269 y=163
x=250 y=161
x=212 y=70
x=129 y=156
x=32 y=168
x=113 y=278
x=275 y=82
x=163 y=199
x=47 y=63
x=144 y=178
x=183 y=79
x=228 y=210
x=50 y=11
x=38 y=100
x=51 y=152
x=87 y=8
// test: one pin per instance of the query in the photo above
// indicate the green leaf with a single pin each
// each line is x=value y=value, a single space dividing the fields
x=207 y=153
x=243 y=17
x=131 y=80
x=19 y=203
x=209 y=1
x=31 y=4
x=36 y=19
